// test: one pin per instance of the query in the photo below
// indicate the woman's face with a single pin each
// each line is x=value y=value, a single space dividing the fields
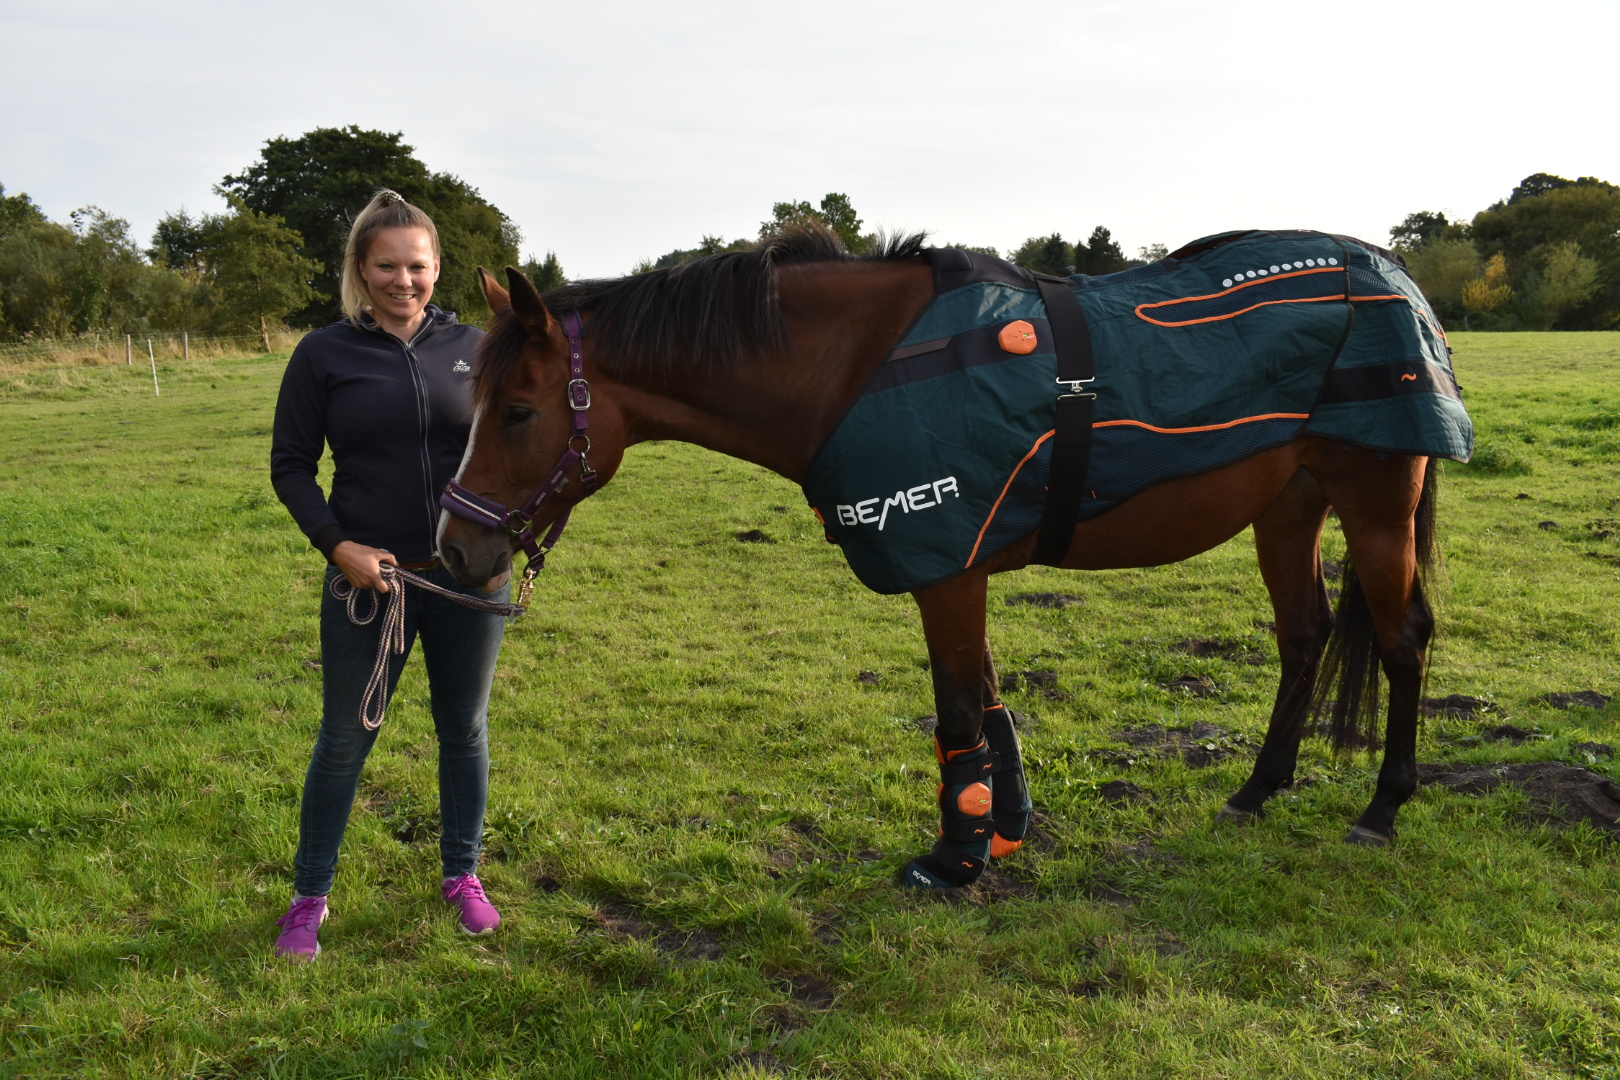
x=399 y=272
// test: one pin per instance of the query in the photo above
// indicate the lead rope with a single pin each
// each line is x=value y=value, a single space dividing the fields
x=392 y=640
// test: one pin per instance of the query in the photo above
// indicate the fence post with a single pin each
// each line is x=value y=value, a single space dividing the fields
x=150 y=356
x=185 y=343
x=129 y=352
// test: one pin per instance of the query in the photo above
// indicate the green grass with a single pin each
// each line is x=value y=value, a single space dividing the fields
x=697 y=808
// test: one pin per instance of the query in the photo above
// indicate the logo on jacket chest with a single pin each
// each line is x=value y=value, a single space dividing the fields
x=461 y=365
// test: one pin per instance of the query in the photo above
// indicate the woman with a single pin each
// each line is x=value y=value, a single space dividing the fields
x=388 y=389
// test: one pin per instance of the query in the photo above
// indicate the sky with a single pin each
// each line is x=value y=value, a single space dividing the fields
x=611 y=131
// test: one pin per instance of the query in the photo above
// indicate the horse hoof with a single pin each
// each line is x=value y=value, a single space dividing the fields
x=1231 y=815
x=1362 y=837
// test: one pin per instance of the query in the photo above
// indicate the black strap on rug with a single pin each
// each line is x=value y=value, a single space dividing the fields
x=1071 y=446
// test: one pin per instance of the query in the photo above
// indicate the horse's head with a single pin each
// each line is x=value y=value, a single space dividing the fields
x=544 y=421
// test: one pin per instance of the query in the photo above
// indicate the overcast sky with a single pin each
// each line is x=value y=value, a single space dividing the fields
x=611 y=132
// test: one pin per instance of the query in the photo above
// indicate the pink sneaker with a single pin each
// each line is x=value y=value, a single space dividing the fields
x=478 y=915
x=298 y=929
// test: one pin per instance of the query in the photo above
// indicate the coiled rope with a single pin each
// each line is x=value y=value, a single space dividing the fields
x=392 y=640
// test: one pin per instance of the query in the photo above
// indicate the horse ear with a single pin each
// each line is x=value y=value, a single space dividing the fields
x=526 y=303
x=493 y=293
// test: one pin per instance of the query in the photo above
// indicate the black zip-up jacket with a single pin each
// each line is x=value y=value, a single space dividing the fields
x=396 y=416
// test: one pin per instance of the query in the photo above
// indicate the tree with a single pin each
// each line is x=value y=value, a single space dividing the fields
x=709 y=245
x=1486 y=294
x=1099 y=255
x=178 y=241
x=835 y=213
x=1565 y=278
x=1441 y=268
x=18 y=212
x=1423 y=227
x=63 y=280
x=1152 y=253
x=547 y=273
x=1045 y=255
x=254 y=265
x=317 y=182
x=1545 y=211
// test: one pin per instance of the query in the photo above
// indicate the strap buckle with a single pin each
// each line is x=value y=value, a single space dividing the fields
x=579 y=395
x=1074 y=386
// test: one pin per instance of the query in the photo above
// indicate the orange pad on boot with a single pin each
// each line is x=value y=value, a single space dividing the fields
x=1017 y=337
x=974 y=800
x=1000 y=849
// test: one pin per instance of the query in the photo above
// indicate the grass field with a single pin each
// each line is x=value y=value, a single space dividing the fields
x=698 y=805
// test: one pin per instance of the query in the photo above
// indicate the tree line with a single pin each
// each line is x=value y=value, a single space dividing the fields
x=1546 y=257
x=1099 y=254
x=273 y=257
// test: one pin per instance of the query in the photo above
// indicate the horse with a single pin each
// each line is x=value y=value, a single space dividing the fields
x=760 y=354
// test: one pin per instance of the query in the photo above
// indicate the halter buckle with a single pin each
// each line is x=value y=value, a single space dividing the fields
x=579 y=395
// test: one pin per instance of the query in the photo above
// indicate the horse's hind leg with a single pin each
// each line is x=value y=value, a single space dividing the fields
x=1378 y=508
x=1288 y=539
x=1011 y=804
x=953 y=620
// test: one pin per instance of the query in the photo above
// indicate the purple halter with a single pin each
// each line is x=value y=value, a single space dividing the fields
x=520 y=522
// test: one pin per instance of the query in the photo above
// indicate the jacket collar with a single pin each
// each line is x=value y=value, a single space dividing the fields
x=436 y=320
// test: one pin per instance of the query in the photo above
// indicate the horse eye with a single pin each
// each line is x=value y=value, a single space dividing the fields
x=516 y=415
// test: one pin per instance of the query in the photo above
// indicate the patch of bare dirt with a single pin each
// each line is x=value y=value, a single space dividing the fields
x=1045 y=600
x=1198 y=744
x=1196 y=685
x=811 y=992
x=754 y=536
x=993 y=887
x=1239 y=652
x=1510 y=733
x=1461 y=706
x=1559 y=794
x=1044 y=683
x=1122 y=792
x=869 y=678
x=699 y=944
x=619 y=923
x=1596 y=749
x=762 y=1061
x=1589 y=699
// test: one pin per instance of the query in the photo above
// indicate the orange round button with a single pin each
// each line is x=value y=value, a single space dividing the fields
x=1017 y=337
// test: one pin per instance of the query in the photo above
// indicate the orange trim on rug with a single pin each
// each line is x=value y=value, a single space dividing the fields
x=1186 y=430
x=1004 y=489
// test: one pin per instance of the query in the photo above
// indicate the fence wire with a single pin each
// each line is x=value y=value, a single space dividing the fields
x=111 y=348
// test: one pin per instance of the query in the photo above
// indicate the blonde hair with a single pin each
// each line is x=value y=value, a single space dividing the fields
x=386 y=210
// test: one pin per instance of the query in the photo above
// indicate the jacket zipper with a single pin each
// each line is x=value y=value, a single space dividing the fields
x=423 y=420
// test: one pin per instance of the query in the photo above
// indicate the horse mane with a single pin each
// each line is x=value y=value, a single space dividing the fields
x=700 y=316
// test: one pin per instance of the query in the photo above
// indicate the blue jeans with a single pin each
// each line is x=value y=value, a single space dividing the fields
x=460 y=646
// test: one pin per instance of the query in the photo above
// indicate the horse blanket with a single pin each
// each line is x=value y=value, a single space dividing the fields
x=1232 y=345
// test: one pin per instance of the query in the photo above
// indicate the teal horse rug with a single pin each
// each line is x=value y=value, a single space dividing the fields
x=1232 y=345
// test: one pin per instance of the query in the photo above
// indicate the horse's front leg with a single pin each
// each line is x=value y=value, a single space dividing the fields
x=953 y=622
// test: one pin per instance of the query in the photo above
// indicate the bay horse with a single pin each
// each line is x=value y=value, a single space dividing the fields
x=759 y=354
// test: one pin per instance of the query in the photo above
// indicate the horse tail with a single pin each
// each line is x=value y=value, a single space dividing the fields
x=1348 y=683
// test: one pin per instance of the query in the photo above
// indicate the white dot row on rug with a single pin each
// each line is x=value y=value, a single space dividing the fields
x=1229 y=282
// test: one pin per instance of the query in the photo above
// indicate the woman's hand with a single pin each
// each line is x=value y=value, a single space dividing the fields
x=363 y=565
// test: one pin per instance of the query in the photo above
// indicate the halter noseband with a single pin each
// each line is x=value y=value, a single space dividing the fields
x=520 y=522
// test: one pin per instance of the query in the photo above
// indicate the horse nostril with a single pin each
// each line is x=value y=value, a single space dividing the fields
x=453 y=559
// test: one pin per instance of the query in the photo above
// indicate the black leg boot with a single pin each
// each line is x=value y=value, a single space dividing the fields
x=966 y=827
x=1012 y=805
